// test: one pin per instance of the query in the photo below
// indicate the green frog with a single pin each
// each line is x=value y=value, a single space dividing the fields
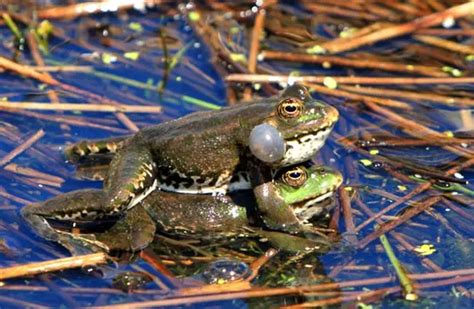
x=204 y=152
x=305 y=191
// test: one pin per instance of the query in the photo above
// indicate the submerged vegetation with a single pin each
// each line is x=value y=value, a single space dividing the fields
x=399 y=72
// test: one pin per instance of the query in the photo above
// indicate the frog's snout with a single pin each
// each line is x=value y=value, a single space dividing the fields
x=331 y=114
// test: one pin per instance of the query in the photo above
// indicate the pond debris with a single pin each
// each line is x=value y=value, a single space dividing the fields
x=52 y=265
x=405 y=282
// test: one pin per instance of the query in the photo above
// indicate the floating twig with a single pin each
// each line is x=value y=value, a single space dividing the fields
x=345 y=201
x=354 y=63
x=386 y=227
x=32 y=269
x=406 y=284
x=25 y=145
x=264 y=78
x=345 y=44
x=90 y=107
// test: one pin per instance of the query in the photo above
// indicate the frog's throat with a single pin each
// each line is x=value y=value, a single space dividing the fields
x=304 y=146
x=312 y=206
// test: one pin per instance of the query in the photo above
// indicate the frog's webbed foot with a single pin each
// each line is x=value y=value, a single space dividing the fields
x=134 y=232
x=83 y=151
x=72 y=206
x=132 y=176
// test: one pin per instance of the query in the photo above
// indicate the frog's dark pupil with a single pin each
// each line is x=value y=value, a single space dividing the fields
x=290 y=109
x=295 y=175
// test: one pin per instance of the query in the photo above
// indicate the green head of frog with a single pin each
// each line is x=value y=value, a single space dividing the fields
x=307 y=190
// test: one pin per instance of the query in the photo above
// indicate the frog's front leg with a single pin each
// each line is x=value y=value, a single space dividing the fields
x=274 y=211
x=132 y=176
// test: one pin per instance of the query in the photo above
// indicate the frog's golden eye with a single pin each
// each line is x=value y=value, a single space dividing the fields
x=295 y=177
x=290 y=108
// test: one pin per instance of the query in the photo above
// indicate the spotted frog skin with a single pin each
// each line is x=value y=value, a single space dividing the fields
x=205 y=152
x=305 y=191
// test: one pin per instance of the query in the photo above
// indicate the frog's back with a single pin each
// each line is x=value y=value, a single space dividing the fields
x=201 y=152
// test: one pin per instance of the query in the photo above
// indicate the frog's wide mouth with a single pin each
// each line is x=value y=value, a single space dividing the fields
x=314 y=205
x=316 y=126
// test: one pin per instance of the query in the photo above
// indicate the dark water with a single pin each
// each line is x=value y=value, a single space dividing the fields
x=195 y=77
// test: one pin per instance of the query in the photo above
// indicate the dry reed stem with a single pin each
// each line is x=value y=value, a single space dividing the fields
x=301 y=290
x=345 y=202
x=26 y=171
x=267 y=78
x=344 y=44
x=254 y=48
x=62 y=68
x=411 y=95
x=74 y=121
x=259 y=262
x=405 y=244
x=417 y=130
x=354 y=63
x=46 y=78
x=419 y=189
x=88 y=8
x=14 y=198
x=360 y=297
x=34 y=50
x=17 y=303
x=53 y=265
x=334 y=10
x=90 y=107
x=20 y=148
x=390 y=225
x=446 y=44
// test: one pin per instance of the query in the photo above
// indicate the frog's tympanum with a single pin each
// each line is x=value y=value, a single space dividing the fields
x=304 y=192
x=205 y=152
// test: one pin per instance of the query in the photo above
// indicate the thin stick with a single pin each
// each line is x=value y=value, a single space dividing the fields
x=412 y=95
x=26 y=171
x=15 y=302
x=341 y=299
x=24 y=146
x=266 y=78
x=87 y=8
x=355 y=63
x=342 y=44
x=62 y=68
x=386 y=227
x=254 y=48
x=90 y=107
x=345 y=201
x=406 y=283
x=446 y=44
x=48 y=79
x=259 y=262
x=53 y=265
